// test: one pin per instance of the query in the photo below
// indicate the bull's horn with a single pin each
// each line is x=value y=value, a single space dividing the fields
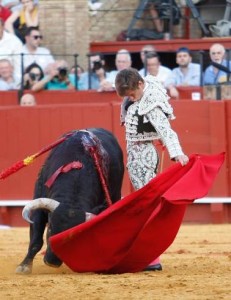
x=44 y=203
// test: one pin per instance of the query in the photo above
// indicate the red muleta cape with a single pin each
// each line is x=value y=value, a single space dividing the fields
x=131 y=233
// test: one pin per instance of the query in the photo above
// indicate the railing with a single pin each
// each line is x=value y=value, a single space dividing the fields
x=199 y=56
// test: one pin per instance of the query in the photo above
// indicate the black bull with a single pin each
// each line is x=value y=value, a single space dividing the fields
x=77 y=193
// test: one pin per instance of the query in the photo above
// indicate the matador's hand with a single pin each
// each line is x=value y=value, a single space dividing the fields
x=182 y=159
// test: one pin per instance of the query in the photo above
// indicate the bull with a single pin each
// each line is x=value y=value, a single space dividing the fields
x=69 y=189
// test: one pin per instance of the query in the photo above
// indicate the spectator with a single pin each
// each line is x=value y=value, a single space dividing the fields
x=145 y=49
x=32 y=74
x=123 y=61
x=160 y=12
x=32 y=51
x=28 y=100
x=4 y=12
x=57 y=78
x=80 y=70
x=187 y=74
x=12 y=5
x=212 y=74
x=10 y=48
x=154 y=68
x=26 y=17
x=6 y=76
x=96 y=75
x=156 y=16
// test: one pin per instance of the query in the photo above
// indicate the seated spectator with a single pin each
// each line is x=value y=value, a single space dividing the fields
x=213 y=75
x=95 y=76
x=7 y=76
x=123 y=61
x=4 y=12
x=156 y=16
x=187 y=74
x=33 y=73
x=11 y=48
x=145 y=49
x=80 y=70
x=28 y=100
x=160 y=11
x=33 y=52
x=12 y=5
x=21 y=19
x=154 y=68
x=57 y=78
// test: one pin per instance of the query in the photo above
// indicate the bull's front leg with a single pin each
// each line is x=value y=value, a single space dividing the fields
x=36 y=242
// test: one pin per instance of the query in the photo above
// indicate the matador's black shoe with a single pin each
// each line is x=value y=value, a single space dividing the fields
x=156 y=267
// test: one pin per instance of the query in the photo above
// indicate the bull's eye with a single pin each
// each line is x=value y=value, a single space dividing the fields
x=71 y=213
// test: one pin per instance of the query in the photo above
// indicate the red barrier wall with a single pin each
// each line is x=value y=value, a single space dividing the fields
x=67 y=97
x=202 y=126
x=60 y=97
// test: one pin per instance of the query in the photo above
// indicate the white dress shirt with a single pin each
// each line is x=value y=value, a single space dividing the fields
x=11 y=49
x=42 y=56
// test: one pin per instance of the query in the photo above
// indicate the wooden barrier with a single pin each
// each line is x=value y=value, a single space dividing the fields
x=206 y=210
x=60 y=97
x=160 y=45
x=202 y=126
x=71 y=97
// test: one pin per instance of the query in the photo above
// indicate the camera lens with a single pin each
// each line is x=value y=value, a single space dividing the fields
x=62 y=71
x=97 y=65
x=32 y=76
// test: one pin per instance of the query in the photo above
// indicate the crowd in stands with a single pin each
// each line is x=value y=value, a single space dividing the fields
x=26 y=64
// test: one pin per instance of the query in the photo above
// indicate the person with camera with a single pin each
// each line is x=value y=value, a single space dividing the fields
x=56 y=78
x=33 y=73
x=96 y=75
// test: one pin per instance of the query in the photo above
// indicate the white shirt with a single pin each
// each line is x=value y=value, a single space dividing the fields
x=112 y=76
x=163 y=74
x=5 y=86
x=42 y=56
x=11 y=48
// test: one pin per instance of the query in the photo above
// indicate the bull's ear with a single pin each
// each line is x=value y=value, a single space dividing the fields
x=39 y=203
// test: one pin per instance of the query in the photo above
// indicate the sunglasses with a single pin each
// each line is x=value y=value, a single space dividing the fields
x=36 y=37
x=34 y=76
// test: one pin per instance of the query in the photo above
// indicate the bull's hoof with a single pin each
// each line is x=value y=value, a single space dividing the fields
x=23 y=269
x=52 y=265
x=156 y=267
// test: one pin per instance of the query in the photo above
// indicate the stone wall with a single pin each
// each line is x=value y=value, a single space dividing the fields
x=65 y=26
x=69 y=26
x=114 y=16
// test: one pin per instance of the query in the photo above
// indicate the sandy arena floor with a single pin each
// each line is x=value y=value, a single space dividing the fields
x=197 y=266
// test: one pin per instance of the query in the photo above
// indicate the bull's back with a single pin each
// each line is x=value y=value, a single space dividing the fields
x=72 y=149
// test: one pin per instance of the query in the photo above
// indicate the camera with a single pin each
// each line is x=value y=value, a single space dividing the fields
x=34 y=76
x=97 y=65
x=62 y=71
